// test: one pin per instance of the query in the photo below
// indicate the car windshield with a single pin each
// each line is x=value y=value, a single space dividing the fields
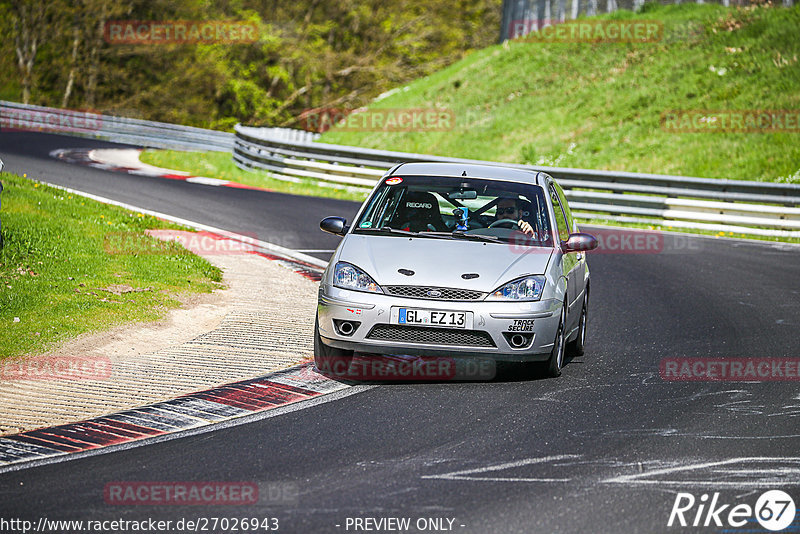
x=458 y=208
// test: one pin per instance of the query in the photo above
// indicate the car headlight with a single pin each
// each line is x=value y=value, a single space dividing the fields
x=349 y=276
x=528 y=288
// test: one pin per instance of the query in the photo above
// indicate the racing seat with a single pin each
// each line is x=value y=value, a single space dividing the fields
x=419 y=212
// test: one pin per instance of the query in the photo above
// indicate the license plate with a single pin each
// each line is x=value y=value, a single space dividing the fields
x=442 y=318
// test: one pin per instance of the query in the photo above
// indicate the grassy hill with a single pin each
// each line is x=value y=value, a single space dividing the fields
x=600 y=105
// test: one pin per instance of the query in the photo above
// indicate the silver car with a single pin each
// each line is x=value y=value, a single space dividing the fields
x=456 y=260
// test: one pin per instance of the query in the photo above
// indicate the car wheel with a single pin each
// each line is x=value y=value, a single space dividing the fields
x=330 y=360
x=577 y=346
x=556 y=361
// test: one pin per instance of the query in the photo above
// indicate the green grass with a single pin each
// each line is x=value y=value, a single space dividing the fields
x=599 y=106
x=54 y=265
x=220 y=165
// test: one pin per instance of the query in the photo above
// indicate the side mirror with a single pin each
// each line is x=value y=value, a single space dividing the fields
x=579 y=242
x=333 y=225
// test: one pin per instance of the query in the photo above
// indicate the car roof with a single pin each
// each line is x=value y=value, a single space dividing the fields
x=472 y=170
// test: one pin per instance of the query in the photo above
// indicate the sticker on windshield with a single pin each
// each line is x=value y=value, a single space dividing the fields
x=394 y=180
x=366 y=224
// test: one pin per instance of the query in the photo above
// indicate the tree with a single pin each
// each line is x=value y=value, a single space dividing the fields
x=309 y=54
x=31 y=27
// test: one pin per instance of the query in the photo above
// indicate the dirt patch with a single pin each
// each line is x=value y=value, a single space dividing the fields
x=120 y=289
x=232 y=334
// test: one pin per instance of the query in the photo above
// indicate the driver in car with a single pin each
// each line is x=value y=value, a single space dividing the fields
x=510 y=208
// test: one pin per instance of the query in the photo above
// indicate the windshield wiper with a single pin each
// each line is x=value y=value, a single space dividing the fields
x=387 y=230
x=461 y=235
x=479 y=237
x=437 y=235
x=390 y=230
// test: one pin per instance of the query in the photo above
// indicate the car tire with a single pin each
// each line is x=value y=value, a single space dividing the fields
x=577 y=346
x=556 y=361
x=330 y=360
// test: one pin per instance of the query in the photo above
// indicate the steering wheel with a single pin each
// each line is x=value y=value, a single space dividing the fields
x=512 y=222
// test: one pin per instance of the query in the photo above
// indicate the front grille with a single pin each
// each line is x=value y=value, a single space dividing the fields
x=445 y=293
x=430 y=335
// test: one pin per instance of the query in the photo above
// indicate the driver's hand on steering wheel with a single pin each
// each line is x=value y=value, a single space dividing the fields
x=525 y=227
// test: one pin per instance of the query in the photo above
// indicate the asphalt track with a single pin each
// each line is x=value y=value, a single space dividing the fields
x=273 y=217
x=604 y=448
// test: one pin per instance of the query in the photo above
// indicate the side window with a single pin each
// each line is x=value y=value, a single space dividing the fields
x=390 y=206
x=561 y=221
x=542 y=218
x=371 y=213
x=565 y=206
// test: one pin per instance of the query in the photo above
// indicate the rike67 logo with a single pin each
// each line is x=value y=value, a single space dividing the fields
x=774 y=510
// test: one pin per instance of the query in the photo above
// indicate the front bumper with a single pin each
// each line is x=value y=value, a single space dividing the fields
x=494 y=324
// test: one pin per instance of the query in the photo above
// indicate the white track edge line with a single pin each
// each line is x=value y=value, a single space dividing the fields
x=268 y=247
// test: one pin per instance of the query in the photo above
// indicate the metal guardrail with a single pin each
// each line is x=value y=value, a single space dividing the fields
x=759 y=208
x=20 y=117
x=726 y=205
